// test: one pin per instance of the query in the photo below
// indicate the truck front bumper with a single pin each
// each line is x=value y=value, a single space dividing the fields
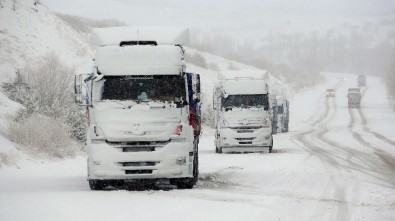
x=245 y=140
x=119 y=161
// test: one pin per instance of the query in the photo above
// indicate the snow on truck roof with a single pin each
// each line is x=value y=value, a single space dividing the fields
x=139 y=60
x=244 y=82
x=243 y=75
x=235 y=87
x=162 y=35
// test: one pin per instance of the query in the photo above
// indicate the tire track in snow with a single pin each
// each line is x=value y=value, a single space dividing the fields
x=387 y=158
x=367 y=129
x=311 y=142
x=384 y=164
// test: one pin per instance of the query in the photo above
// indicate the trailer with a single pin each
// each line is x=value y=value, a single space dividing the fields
x=282 y=115
x=361 y=80
x=354 y=97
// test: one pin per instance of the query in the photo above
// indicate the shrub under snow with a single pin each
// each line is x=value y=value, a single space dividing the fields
x=45 y=90
x=38 y=134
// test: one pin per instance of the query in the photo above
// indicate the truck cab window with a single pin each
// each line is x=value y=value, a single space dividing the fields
x=246 y=101
x=168 y=88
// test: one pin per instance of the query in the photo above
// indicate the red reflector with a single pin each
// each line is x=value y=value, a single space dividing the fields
x=178 y=130
x=265 y=121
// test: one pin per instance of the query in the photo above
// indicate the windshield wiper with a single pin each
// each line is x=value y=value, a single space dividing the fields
x=117 y=102
x=156 y=104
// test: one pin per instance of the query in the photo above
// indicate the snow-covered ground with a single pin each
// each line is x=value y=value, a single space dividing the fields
x=28 y=31
x=334 y=164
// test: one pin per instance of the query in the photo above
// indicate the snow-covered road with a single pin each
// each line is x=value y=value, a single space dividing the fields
x=335 y=164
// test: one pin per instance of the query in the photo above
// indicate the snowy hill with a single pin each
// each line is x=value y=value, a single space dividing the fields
x=28 y=31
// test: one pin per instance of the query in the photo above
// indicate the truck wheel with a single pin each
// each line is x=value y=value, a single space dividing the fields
x=271 y=147
x=97 y=184
x=218 y=150
x=188 y=183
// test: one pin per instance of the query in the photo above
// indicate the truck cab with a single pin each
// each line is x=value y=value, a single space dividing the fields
x=242 y=112
x=139 y=106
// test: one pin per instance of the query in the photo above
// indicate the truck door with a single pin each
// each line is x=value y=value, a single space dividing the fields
x=193 y=81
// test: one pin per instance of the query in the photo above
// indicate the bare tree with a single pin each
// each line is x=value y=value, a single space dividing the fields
x=51 y=83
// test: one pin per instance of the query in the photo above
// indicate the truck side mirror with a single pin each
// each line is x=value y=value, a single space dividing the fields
x=77 y=84
x=82 y=90
x=196 y=97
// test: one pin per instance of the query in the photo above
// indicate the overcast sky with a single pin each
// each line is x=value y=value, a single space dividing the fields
x=237 y=16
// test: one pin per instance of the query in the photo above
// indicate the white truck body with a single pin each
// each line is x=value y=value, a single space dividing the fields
x=273 y=112
x=139 y=116
x=282 y=115
x=242 y=112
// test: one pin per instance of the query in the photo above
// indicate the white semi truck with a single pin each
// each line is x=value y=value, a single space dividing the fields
x=242 y=112
x=143 y=109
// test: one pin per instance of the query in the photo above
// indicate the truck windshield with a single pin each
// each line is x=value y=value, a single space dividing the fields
x=161 y=88
x=246 y=101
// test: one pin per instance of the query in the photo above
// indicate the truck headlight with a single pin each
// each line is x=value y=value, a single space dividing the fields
x=181 y=160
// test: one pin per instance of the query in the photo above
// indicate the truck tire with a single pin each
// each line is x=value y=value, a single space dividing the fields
x=97 y=184
x=218 y=150
x=271 y=147
x=188 y=183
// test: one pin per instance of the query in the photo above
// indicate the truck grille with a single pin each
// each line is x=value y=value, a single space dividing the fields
x=138 y=164
x=139 y=146
x=138 y=171
x=245 y=129
x=246 y=138
x=245 y=142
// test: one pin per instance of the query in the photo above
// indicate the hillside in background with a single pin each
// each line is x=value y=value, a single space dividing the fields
x=86 y=25
x=29 y=31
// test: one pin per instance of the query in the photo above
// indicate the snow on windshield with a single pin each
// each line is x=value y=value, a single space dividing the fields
x=144 y=88
x=246 y=101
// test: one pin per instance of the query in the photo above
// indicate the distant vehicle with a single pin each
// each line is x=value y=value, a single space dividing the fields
x=282 y=115
x=330 y=92
x=242 y=112
x=354 y=97
x=361 y=80
x=354 y=90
